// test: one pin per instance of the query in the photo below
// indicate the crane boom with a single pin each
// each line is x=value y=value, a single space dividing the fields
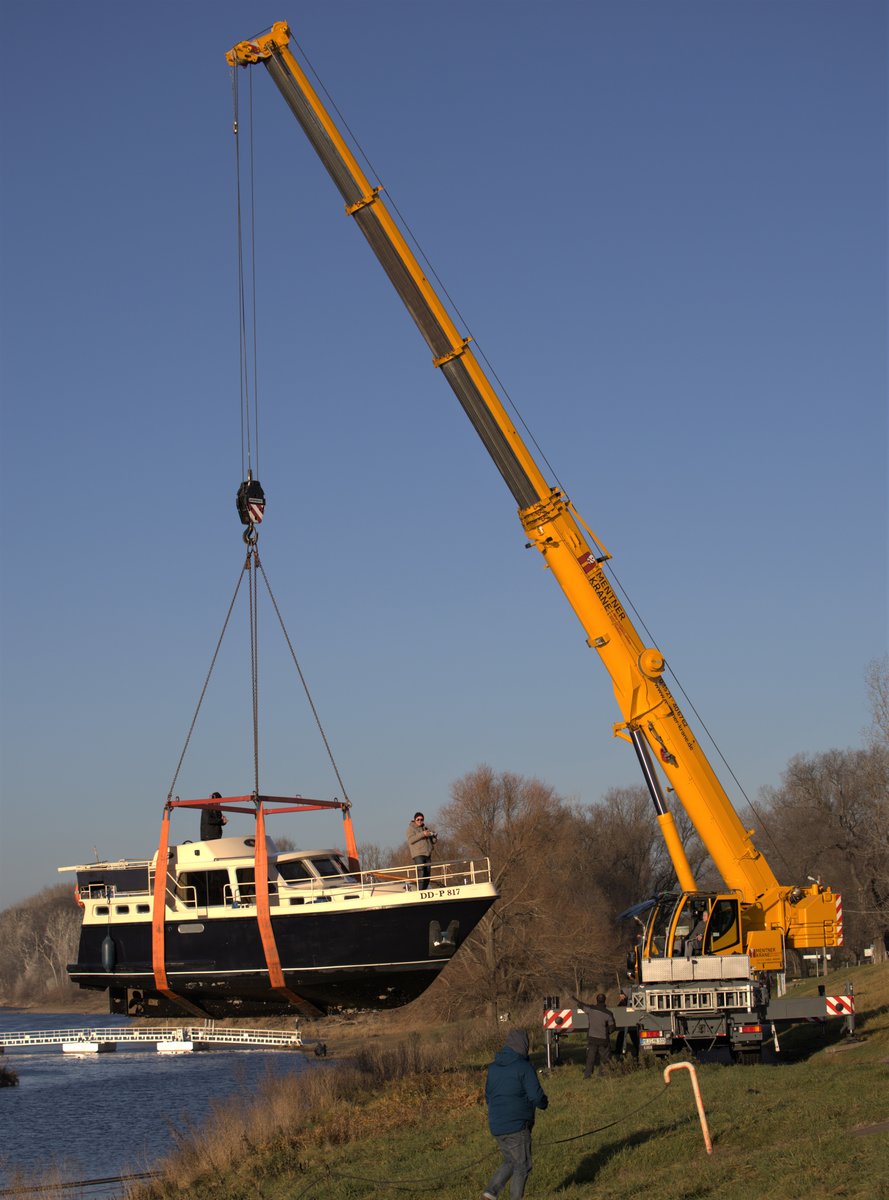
x=651 y=718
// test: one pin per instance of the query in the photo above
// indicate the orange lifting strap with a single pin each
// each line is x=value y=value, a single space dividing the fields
x=264 y=919
x=261 y=877
x=351 y=844
x=158 y=956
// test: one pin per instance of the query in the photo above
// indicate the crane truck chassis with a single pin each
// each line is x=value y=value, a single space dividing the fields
x=682 y=991
x=704 y=1003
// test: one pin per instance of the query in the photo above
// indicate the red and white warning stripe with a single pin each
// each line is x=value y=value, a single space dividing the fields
x=839 y=903
x=558 y=1018
x=839 y=1006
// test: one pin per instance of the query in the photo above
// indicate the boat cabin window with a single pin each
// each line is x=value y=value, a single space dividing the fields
x=203 y=888
x=246 y=877
x=114 y=880
x=331 y=866
x=295 y=870
x=327 y=867
x=341 y=866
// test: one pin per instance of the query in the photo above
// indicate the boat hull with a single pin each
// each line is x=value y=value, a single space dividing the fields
x=331 y=959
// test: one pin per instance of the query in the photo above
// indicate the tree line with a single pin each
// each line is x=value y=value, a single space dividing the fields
x=38 y=938
x=566 y=871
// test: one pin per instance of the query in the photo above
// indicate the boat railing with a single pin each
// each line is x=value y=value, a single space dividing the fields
x=95 y=891
x=387 y=879
x=105 y=891
x=441 y=875
x=182 y=895
x=245 y=893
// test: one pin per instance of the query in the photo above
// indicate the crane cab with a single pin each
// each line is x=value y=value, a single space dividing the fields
x=692 y=924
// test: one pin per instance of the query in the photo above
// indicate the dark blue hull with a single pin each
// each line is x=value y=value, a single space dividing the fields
x=360 y=958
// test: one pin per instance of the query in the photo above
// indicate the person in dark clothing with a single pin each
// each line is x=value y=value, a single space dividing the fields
x=512 y=1093
x=212 y=821
x=420 y=841
x=626 y=1031
x=598 y=1045
x=621 y=1033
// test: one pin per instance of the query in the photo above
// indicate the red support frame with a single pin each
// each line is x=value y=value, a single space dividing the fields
x=250 y=806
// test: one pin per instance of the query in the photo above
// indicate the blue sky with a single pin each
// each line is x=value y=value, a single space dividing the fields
x=664 y=225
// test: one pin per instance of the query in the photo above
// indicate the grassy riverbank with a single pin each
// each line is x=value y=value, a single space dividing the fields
x=407 y=1117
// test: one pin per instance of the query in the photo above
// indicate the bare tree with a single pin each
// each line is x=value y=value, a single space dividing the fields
x=877 y=680
x=553 y=927
x=373 y=857
x=515 y=822
x=830 y=819
x=38 y=938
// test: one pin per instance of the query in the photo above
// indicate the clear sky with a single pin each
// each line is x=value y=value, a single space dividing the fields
x=665 y=224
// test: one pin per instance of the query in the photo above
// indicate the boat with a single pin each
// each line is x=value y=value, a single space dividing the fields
x=235 y=927
x=239 y=926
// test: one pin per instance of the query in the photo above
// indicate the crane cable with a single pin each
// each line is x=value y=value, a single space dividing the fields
x=250 y=497
x=247 y=357
x=250 y=500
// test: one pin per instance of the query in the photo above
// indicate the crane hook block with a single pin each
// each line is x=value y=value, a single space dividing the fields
x=250 y=501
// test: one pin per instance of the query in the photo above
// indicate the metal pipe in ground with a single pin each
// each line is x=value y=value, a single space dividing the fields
x=697 y=1091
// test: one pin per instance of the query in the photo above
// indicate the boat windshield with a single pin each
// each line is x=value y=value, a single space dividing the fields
x=330 y=867
x=294 y=871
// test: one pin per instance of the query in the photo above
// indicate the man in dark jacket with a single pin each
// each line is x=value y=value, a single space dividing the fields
x=512 y=1092
x=212 y=820
x=598 y=1045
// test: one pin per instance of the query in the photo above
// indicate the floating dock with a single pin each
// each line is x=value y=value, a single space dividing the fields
x=171 y=1040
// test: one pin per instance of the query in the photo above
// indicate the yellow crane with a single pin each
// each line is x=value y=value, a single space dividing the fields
x=756 y=916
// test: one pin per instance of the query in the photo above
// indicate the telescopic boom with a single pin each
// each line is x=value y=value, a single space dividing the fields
x=651 y=719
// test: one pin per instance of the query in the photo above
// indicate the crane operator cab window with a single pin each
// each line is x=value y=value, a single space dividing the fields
x=691 y=922
x=658 y=926
x=724 y=930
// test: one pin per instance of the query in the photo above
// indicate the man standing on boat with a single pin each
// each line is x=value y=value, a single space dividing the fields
x=420 y=841
x=212 y=820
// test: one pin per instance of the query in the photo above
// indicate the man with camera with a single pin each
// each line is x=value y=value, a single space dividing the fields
x=420 y=841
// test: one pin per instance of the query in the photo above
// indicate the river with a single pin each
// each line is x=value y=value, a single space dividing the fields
x=101 y=1115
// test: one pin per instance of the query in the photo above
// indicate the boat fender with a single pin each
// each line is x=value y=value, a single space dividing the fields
x=77 y=897
x=109 y=953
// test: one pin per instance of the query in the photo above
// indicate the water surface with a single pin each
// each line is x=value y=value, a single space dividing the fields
x=99 y=1115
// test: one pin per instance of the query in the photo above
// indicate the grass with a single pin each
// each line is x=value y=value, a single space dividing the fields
x=410 y=1120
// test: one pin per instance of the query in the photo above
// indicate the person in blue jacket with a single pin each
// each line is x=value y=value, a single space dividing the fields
x=512 y=1093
